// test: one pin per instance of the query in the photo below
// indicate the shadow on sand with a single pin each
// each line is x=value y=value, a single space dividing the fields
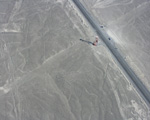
x=88 y=42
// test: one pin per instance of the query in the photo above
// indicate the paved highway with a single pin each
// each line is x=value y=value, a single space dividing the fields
x=143 y=91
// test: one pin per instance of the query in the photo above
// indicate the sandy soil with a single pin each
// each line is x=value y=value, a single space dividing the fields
x=127 y=21
x=47 y=73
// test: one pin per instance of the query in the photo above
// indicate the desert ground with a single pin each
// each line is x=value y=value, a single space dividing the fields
x=127 y=22
x=48 y=73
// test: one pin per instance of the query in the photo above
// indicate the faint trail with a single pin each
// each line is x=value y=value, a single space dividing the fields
x=16 y=8
x=29 y=76
x=132 y=14
x=109 y=3
x=11 y=26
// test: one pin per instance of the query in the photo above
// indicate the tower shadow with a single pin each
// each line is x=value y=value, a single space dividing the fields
x=88 y=42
